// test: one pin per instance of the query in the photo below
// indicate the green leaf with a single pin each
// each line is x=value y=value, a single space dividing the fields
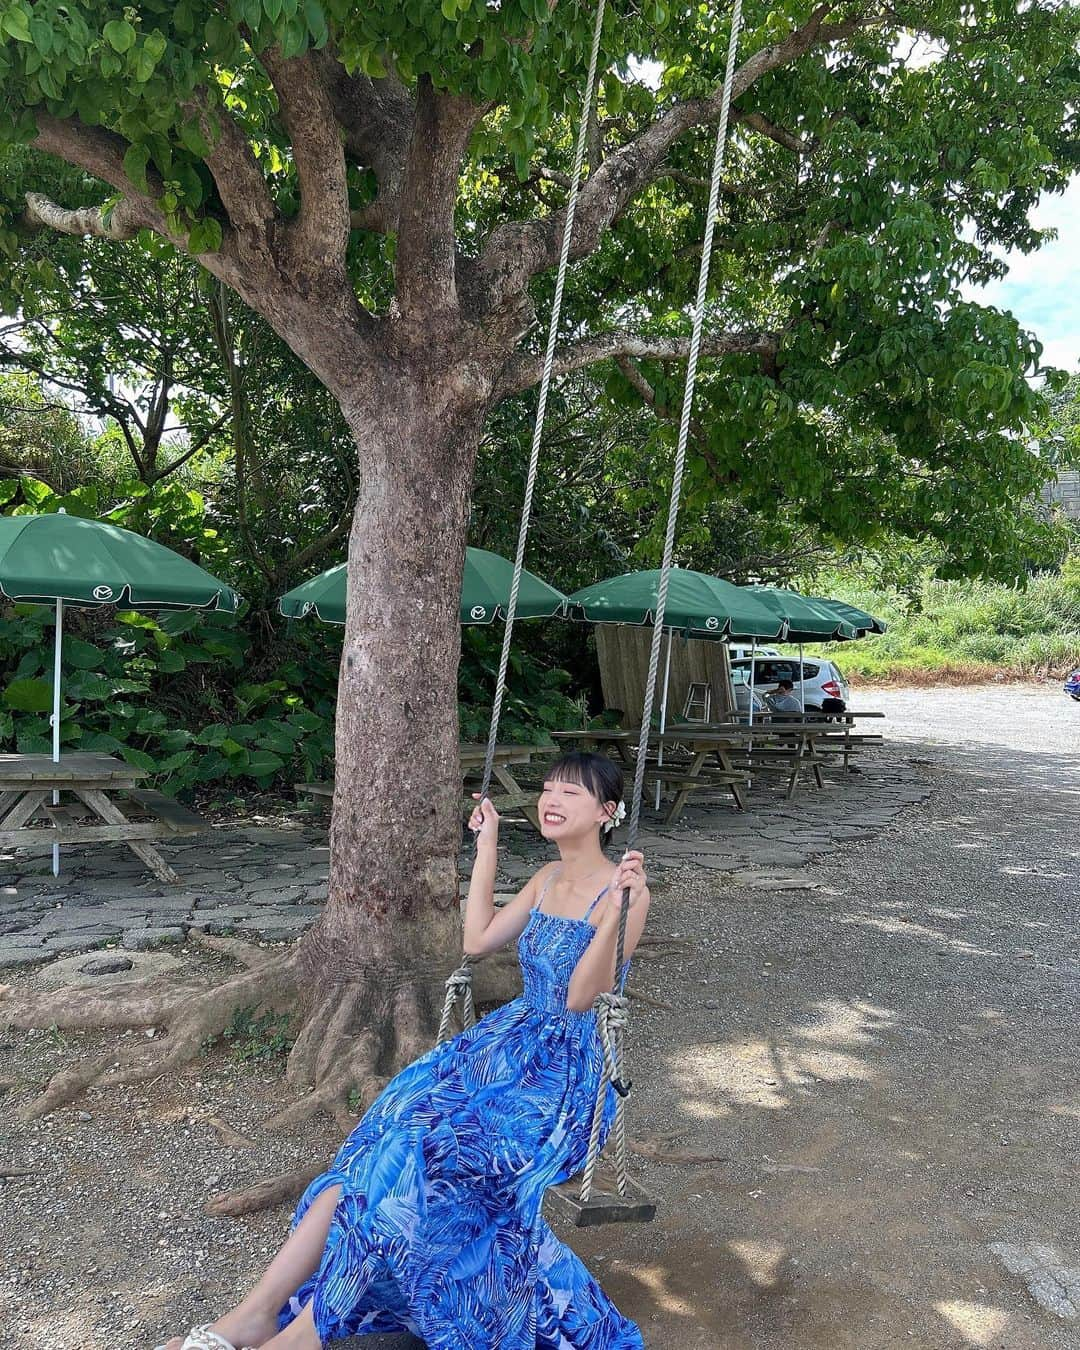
x=82 y=655
x=34 y=696
x=136 y=158
x=205 y=237
x=119 y=34
x=192 y=139
x=278 y=741
x=171 y=662
x=211 y=766
x=101 y=740
x=139 y=758
x=214 y=734
x=262 y=763
x=142 y=66
x=16 y=23
x=37 y=494
x=176 y=761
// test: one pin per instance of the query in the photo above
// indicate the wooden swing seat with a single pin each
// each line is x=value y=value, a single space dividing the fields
x=605 y=1205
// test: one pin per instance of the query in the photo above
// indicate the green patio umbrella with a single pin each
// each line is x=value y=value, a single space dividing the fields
x=68 y=560
x=807 y=619
x=858 y=618
x=485 y=593
x=697 y=604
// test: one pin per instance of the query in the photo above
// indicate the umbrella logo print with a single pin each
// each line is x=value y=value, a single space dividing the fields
x=712 y=622
x=103 y=592
x=477 y=612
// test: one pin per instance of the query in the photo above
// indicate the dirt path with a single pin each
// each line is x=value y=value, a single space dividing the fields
x=886 y=1064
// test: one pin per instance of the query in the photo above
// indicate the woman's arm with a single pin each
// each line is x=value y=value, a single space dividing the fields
x=595 y=972
x=487 y=928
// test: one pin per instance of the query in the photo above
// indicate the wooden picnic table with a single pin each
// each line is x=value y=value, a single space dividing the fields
x=794 y=743
x=471 y=757
x=718 y=742
x=29 y=815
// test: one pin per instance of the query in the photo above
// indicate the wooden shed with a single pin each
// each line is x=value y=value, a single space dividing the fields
x=623 y=651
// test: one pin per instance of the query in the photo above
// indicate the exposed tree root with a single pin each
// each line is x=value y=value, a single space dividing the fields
x=192 y=1013
x=660 y=1152
x=354 y=1035
x=276 y=1191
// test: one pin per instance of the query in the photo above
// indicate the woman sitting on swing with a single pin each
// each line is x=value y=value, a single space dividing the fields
x=429 y=1219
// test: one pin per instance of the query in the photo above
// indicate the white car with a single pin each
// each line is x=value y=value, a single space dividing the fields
x=820 y=679
x=738 y=653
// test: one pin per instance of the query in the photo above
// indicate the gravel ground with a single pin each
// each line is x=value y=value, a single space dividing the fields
x=881 y=1068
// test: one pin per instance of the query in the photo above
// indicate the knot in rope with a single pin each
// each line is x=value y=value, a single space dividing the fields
x=612 y=1019
x=459 y=980
x=458 y=985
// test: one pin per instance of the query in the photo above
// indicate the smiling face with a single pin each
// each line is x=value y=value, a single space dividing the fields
x=570 y=811
x=580 y=794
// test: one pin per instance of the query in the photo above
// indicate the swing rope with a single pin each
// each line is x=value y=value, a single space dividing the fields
x=459 y=985
x=612 y=1008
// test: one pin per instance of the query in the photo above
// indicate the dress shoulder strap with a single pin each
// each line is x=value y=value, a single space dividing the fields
x=544 y=889
x=597 y=901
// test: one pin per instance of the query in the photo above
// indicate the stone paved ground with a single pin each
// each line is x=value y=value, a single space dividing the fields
x=267 y=881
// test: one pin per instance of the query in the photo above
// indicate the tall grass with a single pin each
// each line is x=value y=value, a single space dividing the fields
x=961 y=631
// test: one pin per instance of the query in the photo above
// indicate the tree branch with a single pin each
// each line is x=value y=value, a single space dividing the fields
x=781 y=135
x=376 y=117
x=524 y=370
x=239 y=180
x=100 y=153
x=648 y=396
x=425 y=268
x=195 y=446
x=516 y=252
x=321 y=230
x=120 y=222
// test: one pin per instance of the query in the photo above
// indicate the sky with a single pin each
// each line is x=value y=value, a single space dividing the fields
x=1043 y=288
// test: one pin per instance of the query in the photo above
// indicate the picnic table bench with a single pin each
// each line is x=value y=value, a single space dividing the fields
x=30 y=817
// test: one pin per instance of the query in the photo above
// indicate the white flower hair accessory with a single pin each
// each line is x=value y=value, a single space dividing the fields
x=617 y=817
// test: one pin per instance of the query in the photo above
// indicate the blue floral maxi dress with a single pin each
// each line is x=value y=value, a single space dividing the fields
x=438 y=1228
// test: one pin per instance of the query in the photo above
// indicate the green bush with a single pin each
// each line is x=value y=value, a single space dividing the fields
x=153 y=693
x=201 y=700
x=972 y=627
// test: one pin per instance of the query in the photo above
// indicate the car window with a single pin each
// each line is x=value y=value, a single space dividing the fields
x=810 y=670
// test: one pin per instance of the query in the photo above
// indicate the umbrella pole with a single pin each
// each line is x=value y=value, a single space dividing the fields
x=663 y=715
x=57 y=649
x=753 y=663
x=802 y=684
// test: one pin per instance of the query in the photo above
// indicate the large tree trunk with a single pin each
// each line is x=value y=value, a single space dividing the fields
x=391 y=926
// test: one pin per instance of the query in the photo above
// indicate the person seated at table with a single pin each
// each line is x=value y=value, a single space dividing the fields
x=744 y=698
x=782 y=699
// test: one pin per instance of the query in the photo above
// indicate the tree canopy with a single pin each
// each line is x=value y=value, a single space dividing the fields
x=391 y=162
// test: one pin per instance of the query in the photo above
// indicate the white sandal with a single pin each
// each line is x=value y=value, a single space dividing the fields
x=204 y=1338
